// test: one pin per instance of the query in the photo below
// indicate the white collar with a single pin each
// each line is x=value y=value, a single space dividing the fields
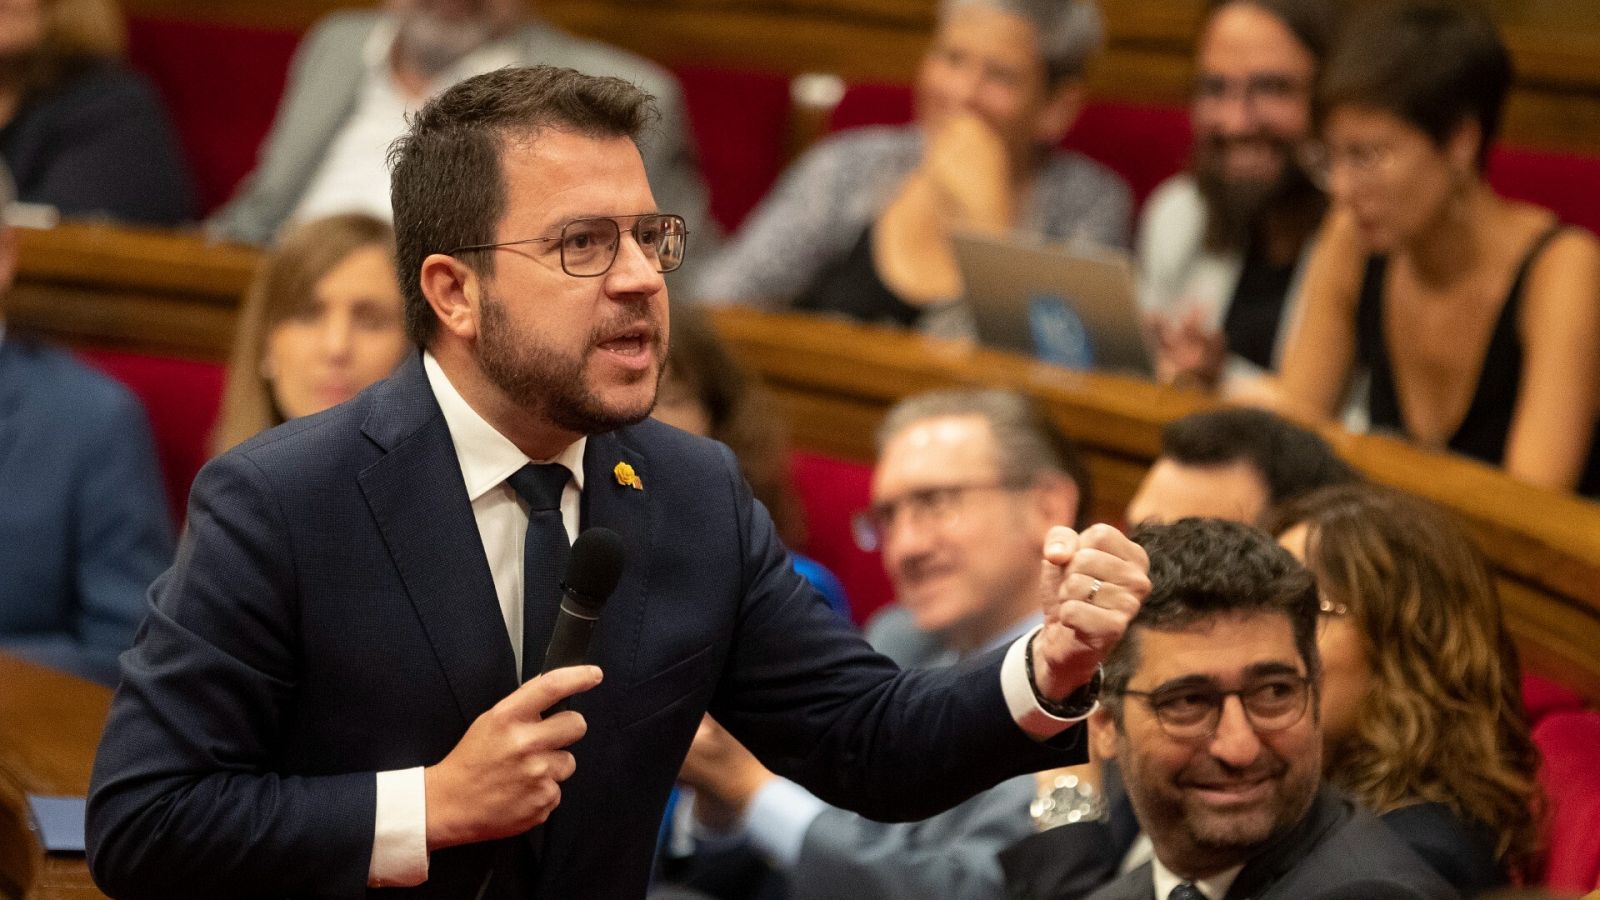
x=1215 y=887
x=377 y=51
x=487 y=457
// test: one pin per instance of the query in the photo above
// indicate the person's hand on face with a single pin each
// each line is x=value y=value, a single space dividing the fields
x=1091 y=586
x=966 y=164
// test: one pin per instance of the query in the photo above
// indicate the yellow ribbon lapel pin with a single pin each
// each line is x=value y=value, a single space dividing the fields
x=627 y=477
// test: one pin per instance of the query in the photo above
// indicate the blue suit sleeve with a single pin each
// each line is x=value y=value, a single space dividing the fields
x=184 y=800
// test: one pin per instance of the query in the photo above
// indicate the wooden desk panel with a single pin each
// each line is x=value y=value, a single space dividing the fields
x=49 y=727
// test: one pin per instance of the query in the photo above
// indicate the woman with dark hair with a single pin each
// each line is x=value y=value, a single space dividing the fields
x=321 y=321
x=1477 y=316
x=1421 y=694
x=81 y=132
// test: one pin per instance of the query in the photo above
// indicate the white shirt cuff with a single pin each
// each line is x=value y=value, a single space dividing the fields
x=1024 y=706
x=400 y=837
x=779 y=815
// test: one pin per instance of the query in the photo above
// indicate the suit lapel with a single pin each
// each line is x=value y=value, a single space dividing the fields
x=625 y=509
x=419 y=502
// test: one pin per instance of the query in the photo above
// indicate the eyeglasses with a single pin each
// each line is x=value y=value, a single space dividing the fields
x=939 y=505
x=1365 y=162
x=588 y=247
x=1191 y=711
x=1260 y=91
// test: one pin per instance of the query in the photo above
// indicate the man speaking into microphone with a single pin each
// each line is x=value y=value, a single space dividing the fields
x=337 y=686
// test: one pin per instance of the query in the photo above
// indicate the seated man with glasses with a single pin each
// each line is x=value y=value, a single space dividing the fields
x=966 y=485
x=1209 y=709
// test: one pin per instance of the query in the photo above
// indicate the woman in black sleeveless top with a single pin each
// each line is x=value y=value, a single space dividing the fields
x=1478 y=317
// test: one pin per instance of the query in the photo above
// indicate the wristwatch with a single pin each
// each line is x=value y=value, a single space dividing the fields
x=1076 y=705
x=1068 y=799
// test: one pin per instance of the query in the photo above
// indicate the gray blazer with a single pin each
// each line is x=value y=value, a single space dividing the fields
x=950 y=856
x=325 y=82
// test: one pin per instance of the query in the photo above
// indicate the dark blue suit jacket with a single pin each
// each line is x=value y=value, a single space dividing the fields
x=331 y=615
x=84 y=524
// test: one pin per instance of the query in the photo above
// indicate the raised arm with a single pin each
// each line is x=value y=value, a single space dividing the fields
x=1560 y=327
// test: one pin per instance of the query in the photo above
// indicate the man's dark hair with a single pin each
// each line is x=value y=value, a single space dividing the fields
x=1291 y=460
x=1432 y=63
x=447 y=185
x=1205 y=569
x=1314 y=23
x=1026 y=441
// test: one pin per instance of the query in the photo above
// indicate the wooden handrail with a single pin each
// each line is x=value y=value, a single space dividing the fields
x=835 y=380
x=49 y=727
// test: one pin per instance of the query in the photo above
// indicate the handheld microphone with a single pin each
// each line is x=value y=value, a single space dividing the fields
x=594 y=567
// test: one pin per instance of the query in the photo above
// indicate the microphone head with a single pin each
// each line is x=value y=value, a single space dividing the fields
x=594 y=565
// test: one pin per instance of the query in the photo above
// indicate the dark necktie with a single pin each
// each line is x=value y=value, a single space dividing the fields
x=1186 y=891
x=544 y=557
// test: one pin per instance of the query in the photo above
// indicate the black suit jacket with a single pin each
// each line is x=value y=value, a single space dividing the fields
x=1337 y=852
x=331 y=615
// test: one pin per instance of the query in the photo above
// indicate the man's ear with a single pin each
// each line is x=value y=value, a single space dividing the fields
x=1055 y=498
x=1102 y=734
x=1060 y=111
x=454 y=291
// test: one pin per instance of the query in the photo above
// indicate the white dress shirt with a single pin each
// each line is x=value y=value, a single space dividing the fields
x=1215 y=887
x=354 y=173
x=487 y=458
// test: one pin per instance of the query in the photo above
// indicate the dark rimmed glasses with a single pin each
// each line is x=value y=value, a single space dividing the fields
x=588 y=247
x=1191 y=711
x=940 y=504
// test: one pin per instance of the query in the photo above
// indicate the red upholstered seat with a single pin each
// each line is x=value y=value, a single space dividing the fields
x=830 y=491
x=740 y=121
x=1570 y=743
x=1567 y=183
x=221 y=84
x=181 y=398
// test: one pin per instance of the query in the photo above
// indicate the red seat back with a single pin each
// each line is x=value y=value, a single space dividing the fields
x=740 y=123
x=1566 y=183
x=1570 y=743
x=831 y=490
x=221 y=84
x=181 y=398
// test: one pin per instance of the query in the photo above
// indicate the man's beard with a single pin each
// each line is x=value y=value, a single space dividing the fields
x=433 y=44
x=539 y=378
x=1236 y=210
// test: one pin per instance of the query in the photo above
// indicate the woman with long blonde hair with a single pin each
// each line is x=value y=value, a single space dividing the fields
x=1421 y=699
x=321 y=321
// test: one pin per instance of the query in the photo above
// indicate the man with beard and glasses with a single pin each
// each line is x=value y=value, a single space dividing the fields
x=359 y=73
x=1210 y=712
x=325 y=695
x=1221 y=246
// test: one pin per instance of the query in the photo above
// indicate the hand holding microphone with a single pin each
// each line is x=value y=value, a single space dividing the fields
x=504 y=776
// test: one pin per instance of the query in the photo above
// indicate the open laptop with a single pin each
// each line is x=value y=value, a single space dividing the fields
x=1072 y=304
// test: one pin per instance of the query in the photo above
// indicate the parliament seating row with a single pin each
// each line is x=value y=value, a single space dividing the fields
x=155 y=310
x=745 y=123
